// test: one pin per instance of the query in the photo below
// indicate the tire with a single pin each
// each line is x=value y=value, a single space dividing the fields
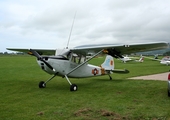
x=42 y=84
x=73 y=87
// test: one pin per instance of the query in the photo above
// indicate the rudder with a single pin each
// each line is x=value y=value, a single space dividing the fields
x=108 y=64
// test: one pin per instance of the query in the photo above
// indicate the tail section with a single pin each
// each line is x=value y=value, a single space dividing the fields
x=141 y=59
x=108 y=64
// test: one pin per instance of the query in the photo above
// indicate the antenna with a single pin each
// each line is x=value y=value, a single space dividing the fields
x=71 y=31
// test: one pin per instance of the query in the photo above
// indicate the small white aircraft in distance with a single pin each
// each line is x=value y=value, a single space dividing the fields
x=73 y=63
x=165 y=60
x=127 y=59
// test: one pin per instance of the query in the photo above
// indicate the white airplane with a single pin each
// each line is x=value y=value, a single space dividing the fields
x=73 y=63
x=141 y=59
x=165 y=60
x=127 y=59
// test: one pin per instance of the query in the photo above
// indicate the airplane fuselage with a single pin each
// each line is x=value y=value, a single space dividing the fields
x=64 y=66
x=125 y=59
x=165 y=62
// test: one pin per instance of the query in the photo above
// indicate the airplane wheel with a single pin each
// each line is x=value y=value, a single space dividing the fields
x=73 y=87
x=42 y=84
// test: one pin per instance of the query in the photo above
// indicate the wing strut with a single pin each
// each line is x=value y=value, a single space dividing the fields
x=73 y=87
x=84 y=62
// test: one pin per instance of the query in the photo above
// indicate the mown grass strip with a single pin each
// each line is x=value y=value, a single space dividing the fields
x=96 y=98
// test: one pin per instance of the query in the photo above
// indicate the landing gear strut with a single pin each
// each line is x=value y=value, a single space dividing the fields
x=42 y=84
x=110 y=77
x=73 y=87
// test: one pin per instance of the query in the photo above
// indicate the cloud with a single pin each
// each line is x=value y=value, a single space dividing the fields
x=47 y=24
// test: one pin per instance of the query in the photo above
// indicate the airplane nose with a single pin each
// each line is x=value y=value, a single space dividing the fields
x=45 y=68
x=42 y=66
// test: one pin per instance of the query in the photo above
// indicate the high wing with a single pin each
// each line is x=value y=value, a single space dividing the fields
x=118 y=50
x=40 y=51
x=112 y=49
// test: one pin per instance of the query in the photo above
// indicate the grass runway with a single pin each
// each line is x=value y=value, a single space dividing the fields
x=96 y=98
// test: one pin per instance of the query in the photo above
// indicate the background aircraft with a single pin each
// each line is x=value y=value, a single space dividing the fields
x=73 y=63
x=128 y=59
x=165 y=60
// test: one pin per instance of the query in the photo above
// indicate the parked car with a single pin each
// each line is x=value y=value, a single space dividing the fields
x=169 y=85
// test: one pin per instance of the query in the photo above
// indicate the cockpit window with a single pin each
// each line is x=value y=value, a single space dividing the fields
x=78 y=58
x=67 y=54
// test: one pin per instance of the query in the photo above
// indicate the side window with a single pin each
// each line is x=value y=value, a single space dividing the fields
x=74 y=59
x=82 y=59
x=77 y=58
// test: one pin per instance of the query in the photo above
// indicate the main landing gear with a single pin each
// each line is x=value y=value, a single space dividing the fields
x=42 y=84
x=73 y=87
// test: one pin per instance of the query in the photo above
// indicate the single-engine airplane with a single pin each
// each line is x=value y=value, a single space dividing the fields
x=125 y=59
x=73 y=63
x=128 y=59
x=165 y=60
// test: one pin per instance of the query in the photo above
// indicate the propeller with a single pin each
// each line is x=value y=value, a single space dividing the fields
x=39 y=57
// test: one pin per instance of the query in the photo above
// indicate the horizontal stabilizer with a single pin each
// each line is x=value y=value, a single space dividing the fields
x=121 y=71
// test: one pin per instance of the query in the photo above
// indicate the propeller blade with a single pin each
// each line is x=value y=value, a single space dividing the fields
x=39 y=57
x=35 y=54
x=48 y=65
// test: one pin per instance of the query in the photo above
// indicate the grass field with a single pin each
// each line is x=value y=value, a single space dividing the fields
x=96 y=98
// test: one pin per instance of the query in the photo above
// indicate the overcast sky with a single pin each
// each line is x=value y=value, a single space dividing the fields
x=47 y=23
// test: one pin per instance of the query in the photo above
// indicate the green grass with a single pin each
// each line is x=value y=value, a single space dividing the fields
x=96 y=98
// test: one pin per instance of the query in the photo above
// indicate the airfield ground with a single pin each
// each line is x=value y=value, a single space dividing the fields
x=96 y=98
x=161 y=76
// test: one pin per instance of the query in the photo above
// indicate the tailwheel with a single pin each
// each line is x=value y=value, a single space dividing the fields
x=73 y=87
x=42 y=84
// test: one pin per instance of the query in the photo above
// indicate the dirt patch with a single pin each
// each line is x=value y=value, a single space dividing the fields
x=161 y=76
x=95 y=114
x=83 y=112
x=40 y=113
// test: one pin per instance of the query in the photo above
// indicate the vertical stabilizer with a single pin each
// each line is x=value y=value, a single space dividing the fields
x=108 y=64
x=141 y=59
